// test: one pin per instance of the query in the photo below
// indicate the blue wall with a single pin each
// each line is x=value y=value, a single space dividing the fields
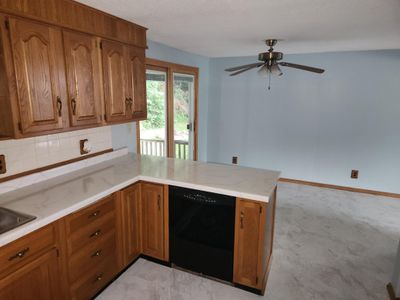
x=312 y=127
x=122 y=136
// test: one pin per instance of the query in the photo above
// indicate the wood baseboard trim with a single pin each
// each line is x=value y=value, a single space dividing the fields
x=390 y=289
x=342 y=188
x=66 y=162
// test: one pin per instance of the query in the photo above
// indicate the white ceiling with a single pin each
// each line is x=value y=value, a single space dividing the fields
x=217 y=28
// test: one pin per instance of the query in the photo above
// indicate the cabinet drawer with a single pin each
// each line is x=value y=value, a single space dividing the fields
x=25 y=249
x=91 y=255
x=94 y=280
x=91 y=233
x=89 y=215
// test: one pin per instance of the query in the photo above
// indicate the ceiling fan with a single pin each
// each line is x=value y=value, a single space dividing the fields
x=270 y=62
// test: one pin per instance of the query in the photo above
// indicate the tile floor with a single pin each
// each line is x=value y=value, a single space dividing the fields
x=329 y=244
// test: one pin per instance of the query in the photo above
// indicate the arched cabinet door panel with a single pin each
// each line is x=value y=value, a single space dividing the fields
x=116 y=96
x=137 y=82
x=83 y=78
x=40 y=75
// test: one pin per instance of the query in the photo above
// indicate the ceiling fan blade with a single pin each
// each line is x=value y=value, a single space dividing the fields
x=241 y=71
x=244 y=67
x=301 y=67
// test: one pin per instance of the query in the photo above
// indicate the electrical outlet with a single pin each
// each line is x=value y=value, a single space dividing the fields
x=354 y=174
x=3 y=168
x=234 y=160
x=84 y=146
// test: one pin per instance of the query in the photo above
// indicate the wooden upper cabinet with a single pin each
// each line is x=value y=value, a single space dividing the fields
x=137 y=82
x=116 y=94
x=39 y=71
x=249 y=237
x=83 y=78
x=153 y=220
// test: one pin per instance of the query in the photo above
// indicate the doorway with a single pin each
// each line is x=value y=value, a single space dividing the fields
x=171 y=126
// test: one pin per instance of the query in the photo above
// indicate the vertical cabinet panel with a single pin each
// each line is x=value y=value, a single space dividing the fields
x=38 y=279
x=137 y=82
x=83 y=78
x=131 y=222
x=153 y=220
x=249 y=234
x=115 y=82
x=39 y=68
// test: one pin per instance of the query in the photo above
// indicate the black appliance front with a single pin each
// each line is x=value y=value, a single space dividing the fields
x=202 y=232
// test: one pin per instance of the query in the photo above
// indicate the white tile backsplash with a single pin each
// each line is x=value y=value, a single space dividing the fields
x=31 y=153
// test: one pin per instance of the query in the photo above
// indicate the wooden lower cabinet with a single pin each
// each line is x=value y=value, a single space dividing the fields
x=38 y=279
x=153 y=220
x=254 y=230
x=78 y=255
x=131 y=223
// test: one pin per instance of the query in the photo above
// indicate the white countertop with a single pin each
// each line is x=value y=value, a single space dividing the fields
x=55 y=198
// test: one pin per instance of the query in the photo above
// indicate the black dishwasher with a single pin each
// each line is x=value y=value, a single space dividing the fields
x=202 y=231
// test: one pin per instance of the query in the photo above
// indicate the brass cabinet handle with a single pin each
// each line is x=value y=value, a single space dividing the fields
x=20 y=254
x=73 y=105
x=99 y=277
x=59 y=106
x=159 y=202
x=241 y=219
x=95 y=214
x=96 y=254
x=131 y=102
x=127 y=101
x=96 y=233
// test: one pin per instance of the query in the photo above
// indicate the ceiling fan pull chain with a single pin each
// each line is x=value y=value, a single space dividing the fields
x=269 y=80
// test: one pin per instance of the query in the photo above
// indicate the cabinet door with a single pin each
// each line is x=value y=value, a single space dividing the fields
x=131 y=221
x=116 y=96
x=137 y=82
x=38 y=279
x=83 y=78
x=249 y=233
x=40 y=75
x=153 y=220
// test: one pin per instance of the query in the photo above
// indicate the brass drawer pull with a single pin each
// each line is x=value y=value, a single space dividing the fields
x=73 y=105
x=95 y=214
x=96 y=233
x=241 y=219
x=97 y=253
x=20 y=254
x=59 y=106
x=98 y=277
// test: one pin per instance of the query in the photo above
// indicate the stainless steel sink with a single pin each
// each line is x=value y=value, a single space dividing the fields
x=10 y=219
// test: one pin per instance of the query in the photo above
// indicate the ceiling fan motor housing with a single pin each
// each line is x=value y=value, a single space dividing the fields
x=270 y=56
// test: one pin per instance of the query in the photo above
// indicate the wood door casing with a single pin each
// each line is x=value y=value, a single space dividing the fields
x=38 y=279
x=115 y=82
x=132 y=227
x=39 y=71
x=137 y=81
x=83 y=78
x=153 y=220
x=249 y=236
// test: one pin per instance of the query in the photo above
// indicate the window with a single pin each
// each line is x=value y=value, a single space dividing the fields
x=170 y=129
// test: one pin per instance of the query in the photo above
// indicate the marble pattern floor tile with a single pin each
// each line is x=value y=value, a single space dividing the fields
x=329 y=244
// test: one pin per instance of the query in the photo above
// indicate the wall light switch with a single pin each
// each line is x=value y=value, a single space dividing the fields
x=3 y=168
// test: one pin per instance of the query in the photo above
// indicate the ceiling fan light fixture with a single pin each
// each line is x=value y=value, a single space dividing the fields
x=275 y=70
x=263 y=71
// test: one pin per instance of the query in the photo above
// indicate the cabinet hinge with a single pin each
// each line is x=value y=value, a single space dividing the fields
x=7 y=24
x=19 y=126
x=260 y=209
